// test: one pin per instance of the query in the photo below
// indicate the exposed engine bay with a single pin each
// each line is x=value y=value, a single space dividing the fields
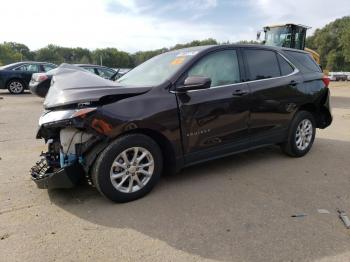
x=65 y=153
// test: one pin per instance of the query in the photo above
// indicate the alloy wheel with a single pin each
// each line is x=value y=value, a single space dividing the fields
x=132 y=169
x=304 y=134
x=16 y=87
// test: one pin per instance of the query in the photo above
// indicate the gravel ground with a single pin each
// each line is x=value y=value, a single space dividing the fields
x=234 y=209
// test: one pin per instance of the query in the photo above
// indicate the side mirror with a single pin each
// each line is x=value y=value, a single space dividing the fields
x=258 y=34
x=194 y=83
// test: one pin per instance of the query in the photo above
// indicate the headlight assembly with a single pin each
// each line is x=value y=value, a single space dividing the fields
x=64 y=115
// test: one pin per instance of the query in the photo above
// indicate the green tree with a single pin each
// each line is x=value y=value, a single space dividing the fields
x=49 y=53
x=332 y=42
x=8 y=55
x=111 y=57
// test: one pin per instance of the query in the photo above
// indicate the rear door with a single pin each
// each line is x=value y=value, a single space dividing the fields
x=214 y=121
x=275 y=91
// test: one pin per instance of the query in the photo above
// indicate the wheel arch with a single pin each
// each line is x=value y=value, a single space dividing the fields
x=170 y=165
x=18 y=79
x=169 y=156
x=321 y=114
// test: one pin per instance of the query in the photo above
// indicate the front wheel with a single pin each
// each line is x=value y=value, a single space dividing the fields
x=15 y=87
x=301 y=135
x=128 y=168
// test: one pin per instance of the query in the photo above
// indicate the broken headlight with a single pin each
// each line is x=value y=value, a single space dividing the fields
x=63 y=115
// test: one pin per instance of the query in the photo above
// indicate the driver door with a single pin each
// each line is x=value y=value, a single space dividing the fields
x=214 y=121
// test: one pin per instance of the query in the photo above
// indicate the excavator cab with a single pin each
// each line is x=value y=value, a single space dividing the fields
x=288 y=35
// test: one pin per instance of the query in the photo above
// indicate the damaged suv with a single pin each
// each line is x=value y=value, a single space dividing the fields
x=177 y=109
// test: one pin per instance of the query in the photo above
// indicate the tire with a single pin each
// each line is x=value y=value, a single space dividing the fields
x=15 y=86
x=111 y=162
x=299 y=131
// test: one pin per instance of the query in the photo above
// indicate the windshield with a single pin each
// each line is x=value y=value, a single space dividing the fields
x=278 y=36
x=157 y=69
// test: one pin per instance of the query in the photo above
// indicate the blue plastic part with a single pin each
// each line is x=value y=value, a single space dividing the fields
x=67 y=160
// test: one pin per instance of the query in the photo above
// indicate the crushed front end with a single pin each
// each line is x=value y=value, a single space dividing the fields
x=70 y=140
x=75 y=126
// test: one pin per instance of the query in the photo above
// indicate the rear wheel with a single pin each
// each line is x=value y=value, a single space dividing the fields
x=301 y=135
x=15 y=86
x=128 y=168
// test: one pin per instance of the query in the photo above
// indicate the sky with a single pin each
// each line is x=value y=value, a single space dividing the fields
x=133 y=25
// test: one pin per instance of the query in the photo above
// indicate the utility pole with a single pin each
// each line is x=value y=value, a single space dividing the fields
x=101 y=60
x=20 y=51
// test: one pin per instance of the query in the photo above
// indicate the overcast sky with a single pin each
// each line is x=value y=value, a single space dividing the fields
x=133 y=25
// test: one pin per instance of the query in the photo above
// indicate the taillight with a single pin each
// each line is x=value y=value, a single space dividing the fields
x=326 y=80
x=39 y=77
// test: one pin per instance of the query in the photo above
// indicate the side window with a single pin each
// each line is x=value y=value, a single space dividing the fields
x=304 y=61
x=262 y=64
x=286 y=68
x=105 y=73
x=21 y=68
x=221 y=67
x=48 y=67
x=28 y=67
x=90 y=69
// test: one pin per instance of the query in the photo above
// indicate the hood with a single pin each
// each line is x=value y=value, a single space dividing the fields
x=71 y=84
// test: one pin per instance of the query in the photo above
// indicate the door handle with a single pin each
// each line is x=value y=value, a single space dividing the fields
x=239 y=92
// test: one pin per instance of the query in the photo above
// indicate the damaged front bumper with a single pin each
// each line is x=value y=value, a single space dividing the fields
x=47 y=177
x=64 y=164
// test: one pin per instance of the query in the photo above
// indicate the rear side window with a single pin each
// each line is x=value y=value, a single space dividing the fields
x=48 y=67
x=286 y=68
x=221 y=67
x=304 y=62
x=262 y=64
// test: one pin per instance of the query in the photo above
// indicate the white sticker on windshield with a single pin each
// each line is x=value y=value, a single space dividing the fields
x=190 y=53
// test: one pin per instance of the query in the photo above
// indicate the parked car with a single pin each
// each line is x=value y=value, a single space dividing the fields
x=40 y=82
x=178 y=109
x=332 y=77
x=338 y=76
x=121 y=71
x=15 y=77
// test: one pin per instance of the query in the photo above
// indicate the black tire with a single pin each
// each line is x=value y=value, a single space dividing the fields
x=15 y=86
x=290 y=146
x=102 y=167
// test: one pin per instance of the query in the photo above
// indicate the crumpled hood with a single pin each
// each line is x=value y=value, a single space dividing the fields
x=71 y=84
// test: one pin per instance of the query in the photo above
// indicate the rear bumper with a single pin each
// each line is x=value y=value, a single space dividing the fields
x=326 y=117
x=38 y=90
x=47 y=178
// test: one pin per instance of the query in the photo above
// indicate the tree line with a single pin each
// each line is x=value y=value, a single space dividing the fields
x=11 y=52
x=332 y=42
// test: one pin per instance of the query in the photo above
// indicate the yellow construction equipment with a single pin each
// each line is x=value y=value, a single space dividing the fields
x=288 y=35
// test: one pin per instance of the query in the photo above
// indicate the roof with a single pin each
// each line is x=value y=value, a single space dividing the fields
x=13 y=65
x=214 y=47
x=32 y=62
x=88 y=65
x=279 y=25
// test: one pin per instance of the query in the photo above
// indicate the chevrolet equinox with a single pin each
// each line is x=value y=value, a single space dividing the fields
x=177 y=109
